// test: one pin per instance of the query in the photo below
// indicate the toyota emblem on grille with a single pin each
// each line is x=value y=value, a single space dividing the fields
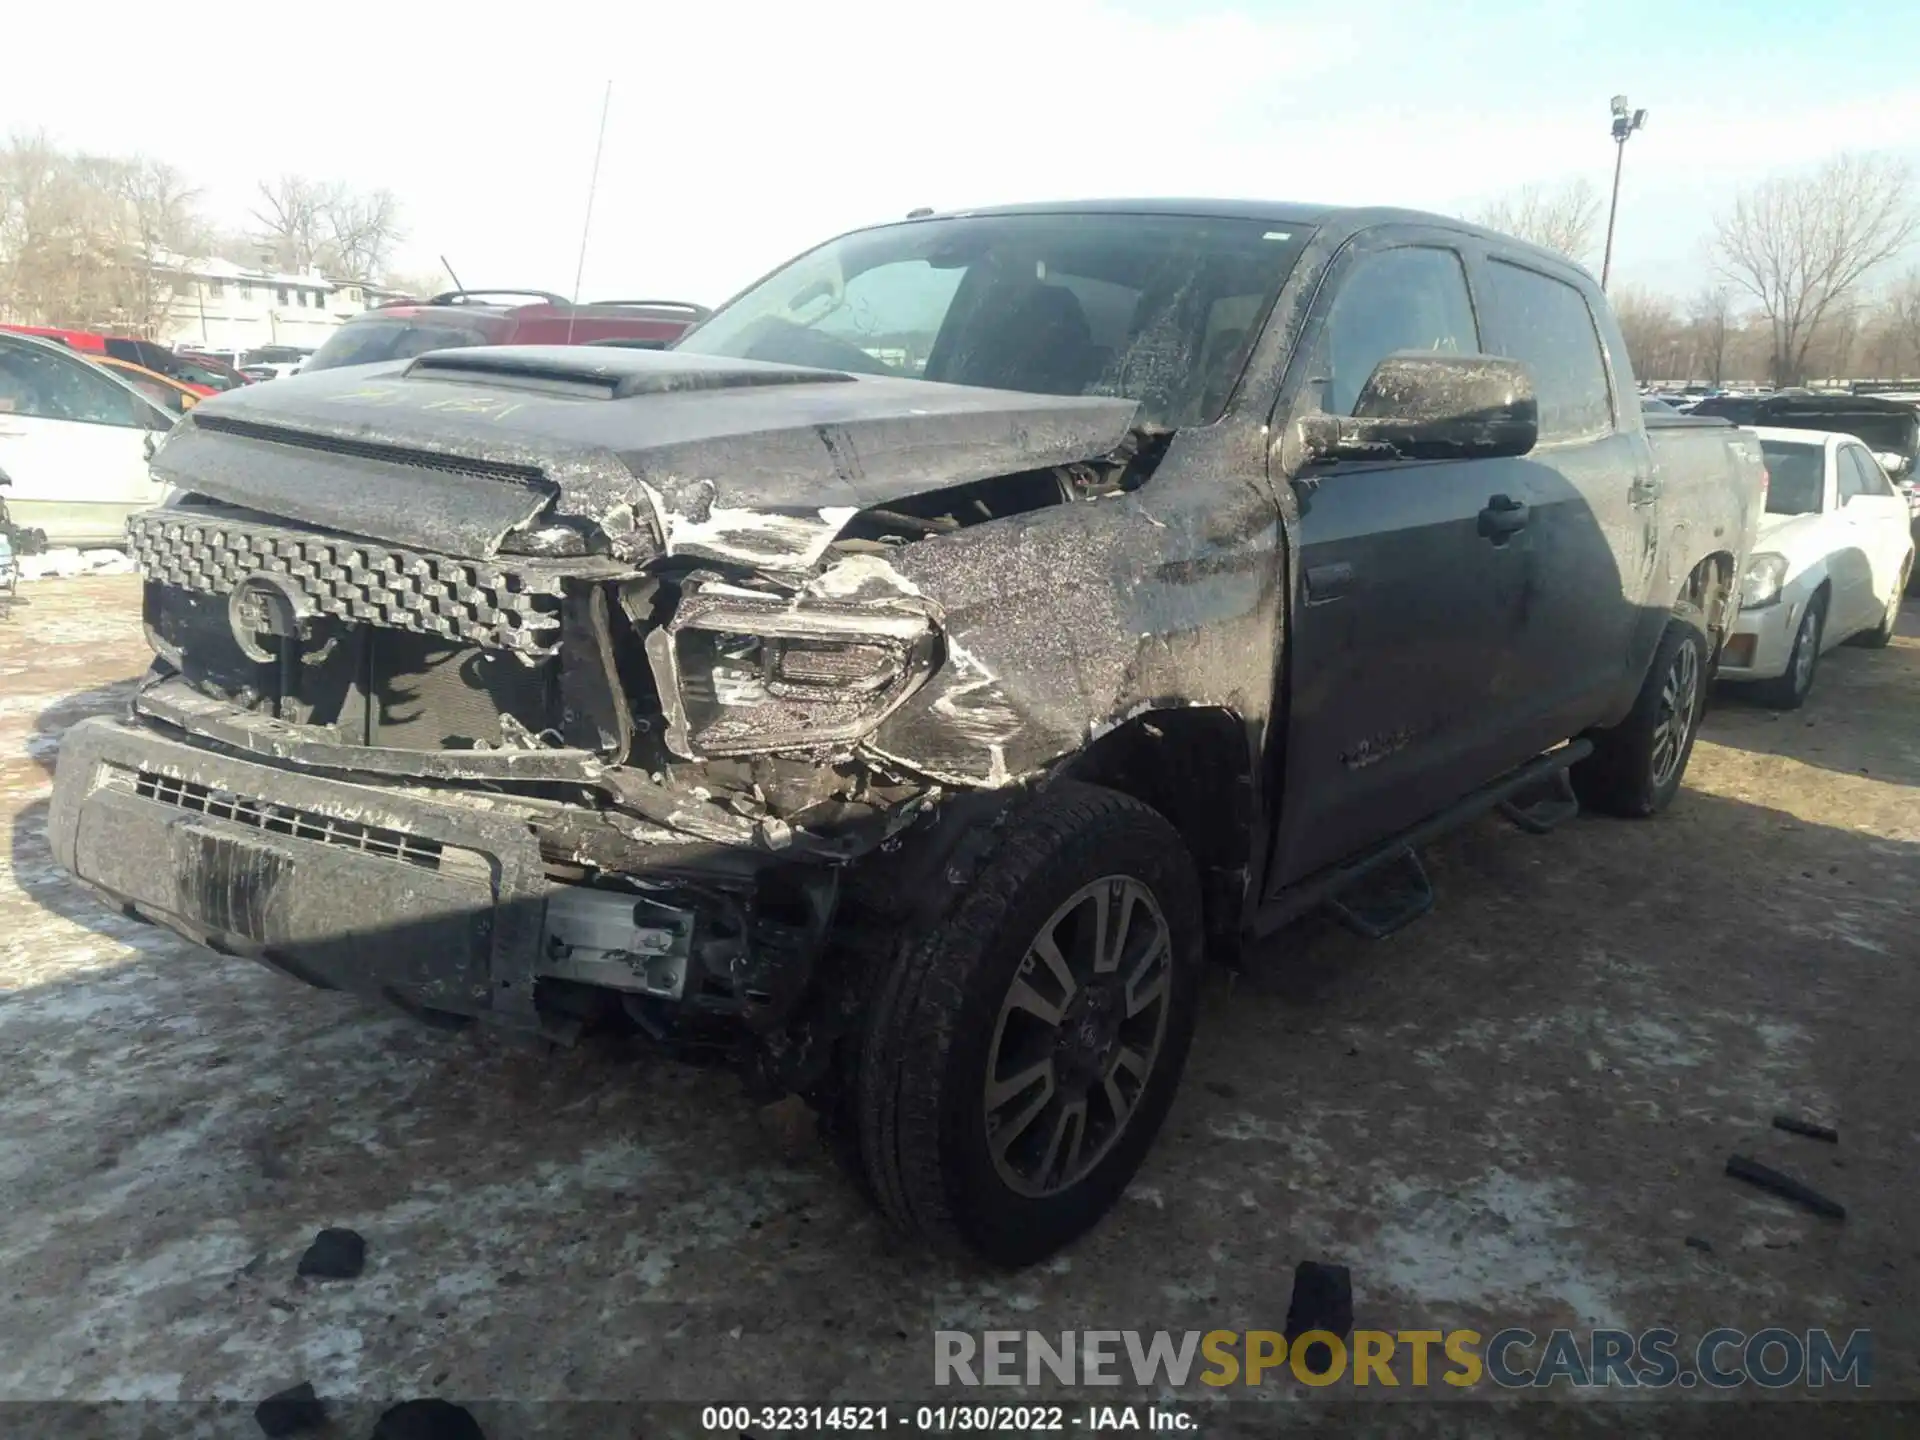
x=267 y=608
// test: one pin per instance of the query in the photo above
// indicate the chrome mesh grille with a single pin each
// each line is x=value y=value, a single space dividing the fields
x=493 y=606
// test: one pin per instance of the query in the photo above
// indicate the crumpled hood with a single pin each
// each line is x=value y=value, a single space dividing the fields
x=685 y=454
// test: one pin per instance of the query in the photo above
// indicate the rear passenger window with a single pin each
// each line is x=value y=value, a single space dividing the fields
x=1873 y=480
x=1408 y=299
x=1546 y=325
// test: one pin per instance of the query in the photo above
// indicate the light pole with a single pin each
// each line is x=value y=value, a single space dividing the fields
x=1625 y=122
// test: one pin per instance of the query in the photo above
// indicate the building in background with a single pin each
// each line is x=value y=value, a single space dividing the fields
x=226 y=306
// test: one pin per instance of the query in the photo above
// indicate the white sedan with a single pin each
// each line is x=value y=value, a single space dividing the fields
x=1832 y=559
x=74 y=444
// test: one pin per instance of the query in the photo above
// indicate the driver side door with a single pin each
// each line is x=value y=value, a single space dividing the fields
x=1406 y=592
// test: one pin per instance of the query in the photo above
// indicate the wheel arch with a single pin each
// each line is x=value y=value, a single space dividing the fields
x=1709 y=588
x=1194 y=766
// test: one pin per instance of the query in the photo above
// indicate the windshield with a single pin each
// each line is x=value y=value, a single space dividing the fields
x=1161 y=309
x=397 y=337
x=195 y=373
x=1794 y=477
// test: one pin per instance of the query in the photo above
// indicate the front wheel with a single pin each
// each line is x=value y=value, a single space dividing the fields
x=1636 y=767
x=1019 y=1059
x=1790 y=690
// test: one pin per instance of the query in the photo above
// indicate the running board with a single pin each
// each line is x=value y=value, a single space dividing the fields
x=1387 y=898
x=1545 y=806
x=1317 y=889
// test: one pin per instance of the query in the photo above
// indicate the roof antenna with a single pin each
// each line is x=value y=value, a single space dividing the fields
x=586 y=223
x=449 y=269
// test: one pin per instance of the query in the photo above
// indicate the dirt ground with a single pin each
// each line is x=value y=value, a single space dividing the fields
x=1515 y=1112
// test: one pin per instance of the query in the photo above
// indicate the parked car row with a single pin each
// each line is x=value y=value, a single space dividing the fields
x=400 y=330
x=200 y=374
x=1889 y=427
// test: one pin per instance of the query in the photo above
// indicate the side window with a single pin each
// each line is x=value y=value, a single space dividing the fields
x=52 y=387
x=1413 y=298
x=1853 y=479
x=1546 y=325
x=1873 y=480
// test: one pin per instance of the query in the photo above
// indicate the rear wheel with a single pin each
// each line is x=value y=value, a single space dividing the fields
x=1790 y=690
x=1636 y=767
x=1881 y=635
x=1019 y=1058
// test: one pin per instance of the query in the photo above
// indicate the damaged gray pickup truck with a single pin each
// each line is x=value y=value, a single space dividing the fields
x=905 y=680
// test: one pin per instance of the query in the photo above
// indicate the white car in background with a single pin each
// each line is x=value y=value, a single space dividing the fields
x=1832 y=559
x=74 y=445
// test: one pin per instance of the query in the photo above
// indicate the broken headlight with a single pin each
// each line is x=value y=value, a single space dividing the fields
x=751 y=673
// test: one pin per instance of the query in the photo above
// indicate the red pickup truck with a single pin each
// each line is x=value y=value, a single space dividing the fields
x=403 y=329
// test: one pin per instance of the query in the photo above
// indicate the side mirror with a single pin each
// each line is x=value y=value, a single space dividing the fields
x=1431 y=405
x=1894 y=465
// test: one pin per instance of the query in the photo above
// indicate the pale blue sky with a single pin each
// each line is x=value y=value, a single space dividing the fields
x=738 y=135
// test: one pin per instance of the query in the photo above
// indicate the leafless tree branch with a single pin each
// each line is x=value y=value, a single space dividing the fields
x=1801 y=245
x=1562 y=219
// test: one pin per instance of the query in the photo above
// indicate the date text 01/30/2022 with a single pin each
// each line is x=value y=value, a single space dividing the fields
x=941 y=1419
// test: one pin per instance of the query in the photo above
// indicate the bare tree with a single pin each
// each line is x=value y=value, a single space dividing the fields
x=1711 y=318
x=55 y=232
x=1801 y=245
x=1651 y=327
x=1562 y=219
x=91 y=239
x=161 y=227
x=1901 y=321
x=309 y=225
x=290 y=221
x=362 y=231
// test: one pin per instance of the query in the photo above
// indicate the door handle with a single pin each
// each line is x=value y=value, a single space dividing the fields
x=1644 y=490
x=1503 y=516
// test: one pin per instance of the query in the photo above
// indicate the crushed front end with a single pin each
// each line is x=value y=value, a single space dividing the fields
x=486 y=726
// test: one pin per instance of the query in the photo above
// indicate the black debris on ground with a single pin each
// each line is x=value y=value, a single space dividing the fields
x=1807 y=1128
x=1696 y=1242
x=334 y=1255
x=290 y=1411
x=1741 y=1167
x=427 y=1420
x=1322 y=1300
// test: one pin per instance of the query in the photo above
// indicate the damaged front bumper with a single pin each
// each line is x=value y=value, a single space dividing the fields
x=444 y=906
x=1760 y=644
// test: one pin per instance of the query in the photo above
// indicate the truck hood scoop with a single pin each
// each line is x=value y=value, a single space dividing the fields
x=581 y=371
x=661 y=452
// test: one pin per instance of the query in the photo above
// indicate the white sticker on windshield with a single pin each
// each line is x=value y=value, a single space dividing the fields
x=1278 y=235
